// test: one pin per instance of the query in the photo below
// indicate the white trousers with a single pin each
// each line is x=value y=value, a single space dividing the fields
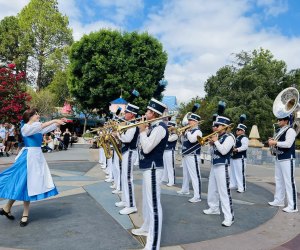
x=218 y=190
x=128 y=159
x=285 y=182
x=191 y=170
x=152 y=211
x=109 y=168
x=102 y=158
x=169 y=167
x=238 y=173
x=116 y=171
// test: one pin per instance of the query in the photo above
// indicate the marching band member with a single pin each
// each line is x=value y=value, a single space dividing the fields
x=169 y=155
x=285 y=167
x=238 y=158
x=218 y=185
x=29 y=178
x=191 y=157
x=153 y=143
x=129 y=154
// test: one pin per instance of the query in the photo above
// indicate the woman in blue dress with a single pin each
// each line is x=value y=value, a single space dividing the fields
x=29 y=178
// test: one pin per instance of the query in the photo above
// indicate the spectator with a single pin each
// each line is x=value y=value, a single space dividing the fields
x=66 y=138
x=74 y=139
x=45 y=147
x=10 y=137
x=50 y=142
x=2 y=132
x=57 y=139
x=2 y=147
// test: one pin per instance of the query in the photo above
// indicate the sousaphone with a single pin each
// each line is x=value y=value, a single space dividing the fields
x=286 y=104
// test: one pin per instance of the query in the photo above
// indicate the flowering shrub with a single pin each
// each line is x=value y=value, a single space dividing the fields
x=13 y=97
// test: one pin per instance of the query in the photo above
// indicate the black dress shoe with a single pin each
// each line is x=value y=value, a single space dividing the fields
x=24 y=223
x=7 y=214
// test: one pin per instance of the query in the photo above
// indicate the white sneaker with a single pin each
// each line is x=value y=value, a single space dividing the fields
x=194 y=200
x=103 y=167
x=117 y=191
x=211 y=211
x=276 y=204
x=227 y=223
x=120 y=204
x=170 y=185
x=240 y=191
x=109 y=180
x=113 y=186
x=139 y=231
x=289 y=210
x=181 y=192
x=128 y=210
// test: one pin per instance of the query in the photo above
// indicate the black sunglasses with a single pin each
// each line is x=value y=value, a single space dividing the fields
x=280 y=119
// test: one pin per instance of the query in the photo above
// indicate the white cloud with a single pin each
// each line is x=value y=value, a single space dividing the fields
x=80 y=29
x=273 y=7
x=199 y=35
x=122 y=8
x=205 y=34
x=69 y=8
x=11 y=7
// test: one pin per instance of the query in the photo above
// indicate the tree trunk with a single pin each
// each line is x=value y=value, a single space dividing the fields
x=85 y=123
x=39 y=77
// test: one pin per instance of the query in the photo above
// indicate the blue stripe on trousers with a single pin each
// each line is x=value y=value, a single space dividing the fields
x=293 y=185
x=173 y=164
x=128 y=179
x=198 y=174
x=243 y=173
x=228 y=190
x=155 y=208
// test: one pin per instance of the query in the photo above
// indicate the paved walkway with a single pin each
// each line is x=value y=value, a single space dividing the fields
x=83 y=215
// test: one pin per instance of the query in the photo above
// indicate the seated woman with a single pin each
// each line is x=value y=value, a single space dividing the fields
x=45 y=147
x=29 y=178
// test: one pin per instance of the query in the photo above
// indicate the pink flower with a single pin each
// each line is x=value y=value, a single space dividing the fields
x=11 y=65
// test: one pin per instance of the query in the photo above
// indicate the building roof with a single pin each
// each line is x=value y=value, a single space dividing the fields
x=171 y=102
x=119 y=101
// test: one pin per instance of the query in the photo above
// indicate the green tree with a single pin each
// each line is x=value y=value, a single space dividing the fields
x=10 y=46
x=44 y=32
x=250 y=86
x=44 y=100
x=102 y=63
x=56 y=68
x=59 y=88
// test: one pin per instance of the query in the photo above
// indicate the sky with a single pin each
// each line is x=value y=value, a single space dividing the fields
x=200 y=36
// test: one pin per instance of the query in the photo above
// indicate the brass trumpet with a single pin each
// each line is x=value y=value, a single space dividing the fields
x=204 y=140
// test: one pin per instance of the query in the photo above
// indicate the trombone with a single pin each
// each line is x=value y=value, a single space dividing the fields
x=204 y=140
x=181 y=130
x=121 y=129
